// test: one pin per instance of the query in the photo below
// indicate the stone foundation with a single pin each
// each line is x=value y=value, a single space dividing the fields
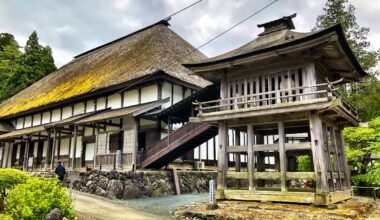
x=129 y=185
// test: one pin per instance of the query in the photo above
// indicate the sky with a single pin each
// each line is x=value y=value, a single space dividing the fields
x=71 y=27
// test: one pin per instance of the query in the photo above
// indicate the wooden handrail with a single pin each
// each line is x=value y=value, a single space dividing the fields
x=172 y=138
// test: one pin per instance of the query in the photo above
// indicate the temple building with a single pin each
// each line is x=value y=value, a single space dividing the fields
x=90 y=109
x=280 y=90
x=267 y=113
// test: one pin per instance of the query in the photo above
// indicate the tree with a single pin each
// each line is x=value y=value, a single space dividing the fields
x=32 y=65
x=362 y=143
x=363 y=95
x=9 y=61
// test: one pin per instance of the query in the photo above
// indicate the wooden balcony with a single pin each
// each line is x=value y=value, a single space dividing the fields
x=323 y=97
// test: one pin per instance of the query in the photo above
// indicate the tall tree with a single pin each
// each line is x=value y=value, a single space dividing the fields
x=9 y=61
x=35 y=63
x=363 y=95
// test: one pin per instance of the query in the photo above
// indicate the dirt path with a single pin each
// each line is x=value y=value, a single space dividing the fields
x=92 y=207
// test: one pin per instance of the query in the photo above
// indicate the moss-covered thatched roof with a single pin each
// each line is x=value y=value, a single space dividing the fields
x=154 y=48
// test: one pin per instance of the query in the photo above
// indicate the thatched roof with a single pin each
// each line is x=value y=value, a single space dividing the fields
x=154 y=48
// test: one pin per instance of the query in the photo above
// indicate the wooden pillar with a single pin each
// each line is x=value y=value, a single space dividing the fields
x=59 y=145
x=136 y=147
x=3 y=155
x=70 y=144
x=318 y=153
x=345 y=166
x=251 y=157
x=26 y=155
x=337 y=159
x=74 y=147
x=260 y=159
x=47 y=153
x=329 y=165
x=282 y=154
x=222 y=159
x=96 y=142
x=54 y=149
x=237 y=155
x=9 y=153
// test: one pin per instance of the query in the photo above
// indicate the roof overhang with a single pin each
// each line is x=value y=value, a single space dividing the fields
x=328 y=39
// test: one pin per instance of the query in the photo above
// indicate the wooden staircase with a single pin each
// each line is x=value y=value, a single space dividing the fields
x=177 y=143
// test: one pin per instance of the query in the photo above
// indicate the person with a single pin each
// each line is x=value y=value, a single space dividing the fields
x=60 y=171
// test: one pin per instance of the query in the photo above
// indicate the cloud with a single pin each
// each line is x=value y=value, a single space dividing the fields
x=72 y=27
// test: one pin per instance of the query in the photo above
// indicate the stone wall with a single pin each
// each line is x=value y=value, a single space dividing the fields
x=129 y=185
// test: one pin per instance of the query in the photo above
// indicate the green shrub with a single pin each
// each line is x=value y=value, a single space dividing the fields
x=36 y=198
x=9 y=178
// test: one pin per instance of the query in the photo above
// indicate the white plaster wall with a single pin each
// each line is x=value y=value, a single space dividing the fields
x=100 y=103
x=129 y=140
x=79 y=108
x=65 y=143
x=45 y=148
x=89 y=151
x=28 y=122
x=36 y=120
x=79 y=147
x=56 y=115
x=35 y=149
x=90 y=106
x=45 y=117
x=166 y=92
x=177 y=94
x=18 y=150
x=131 y=98
x=67 y=112
x=114 y=101
x=20 y=123
x=149 y=93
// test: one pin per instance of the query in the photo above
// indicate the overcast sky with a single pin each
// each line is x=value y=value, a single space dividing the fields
x=71 y=27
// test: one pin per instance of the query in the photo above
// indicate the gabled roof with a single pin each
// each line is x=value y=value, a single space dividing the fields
x=334 y=50
x=149 y=50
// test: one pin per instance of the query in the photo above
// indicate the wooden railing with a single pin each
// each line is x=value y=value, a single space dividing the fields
x=275 y=97
x=172 y=138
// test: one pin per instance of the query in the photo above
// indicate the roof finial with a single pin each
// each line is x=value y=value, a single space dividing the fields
x=277 y=25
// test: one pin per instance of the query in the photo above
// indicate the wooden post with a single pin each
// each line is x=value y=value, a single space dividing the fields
x=3 y=155
x=251 y=157
x=54 y=149
x=237 y=155
x=329 y=165
x=337 y=160
x=74 y=146
x=222 y=159
x=345 y=166
x=47 y=151
x=96 y=142
x=59 y=145
x=282 y=154
x=260 y=159
x=136 y=147
x=318 y=153
x=26 y=155
x=309 y=79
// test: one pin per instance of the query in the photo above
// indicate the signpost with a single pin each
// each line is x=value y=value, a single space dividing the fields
x=211 y=198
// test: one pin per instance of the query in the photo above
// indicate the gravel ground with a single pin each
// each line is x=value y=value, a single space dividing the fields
x=165 y=205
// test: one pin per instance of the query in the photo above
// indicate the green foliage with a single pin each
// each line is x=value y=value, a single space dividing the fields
x=340 y=11
x=19 y=70
x=363 y=95
x=304 y=163
x=11 y=177
x=37 y=197
x=362 y=142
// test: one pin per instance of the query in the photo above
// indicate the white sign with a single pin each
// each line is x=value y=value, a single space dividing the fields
x=211 y=198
